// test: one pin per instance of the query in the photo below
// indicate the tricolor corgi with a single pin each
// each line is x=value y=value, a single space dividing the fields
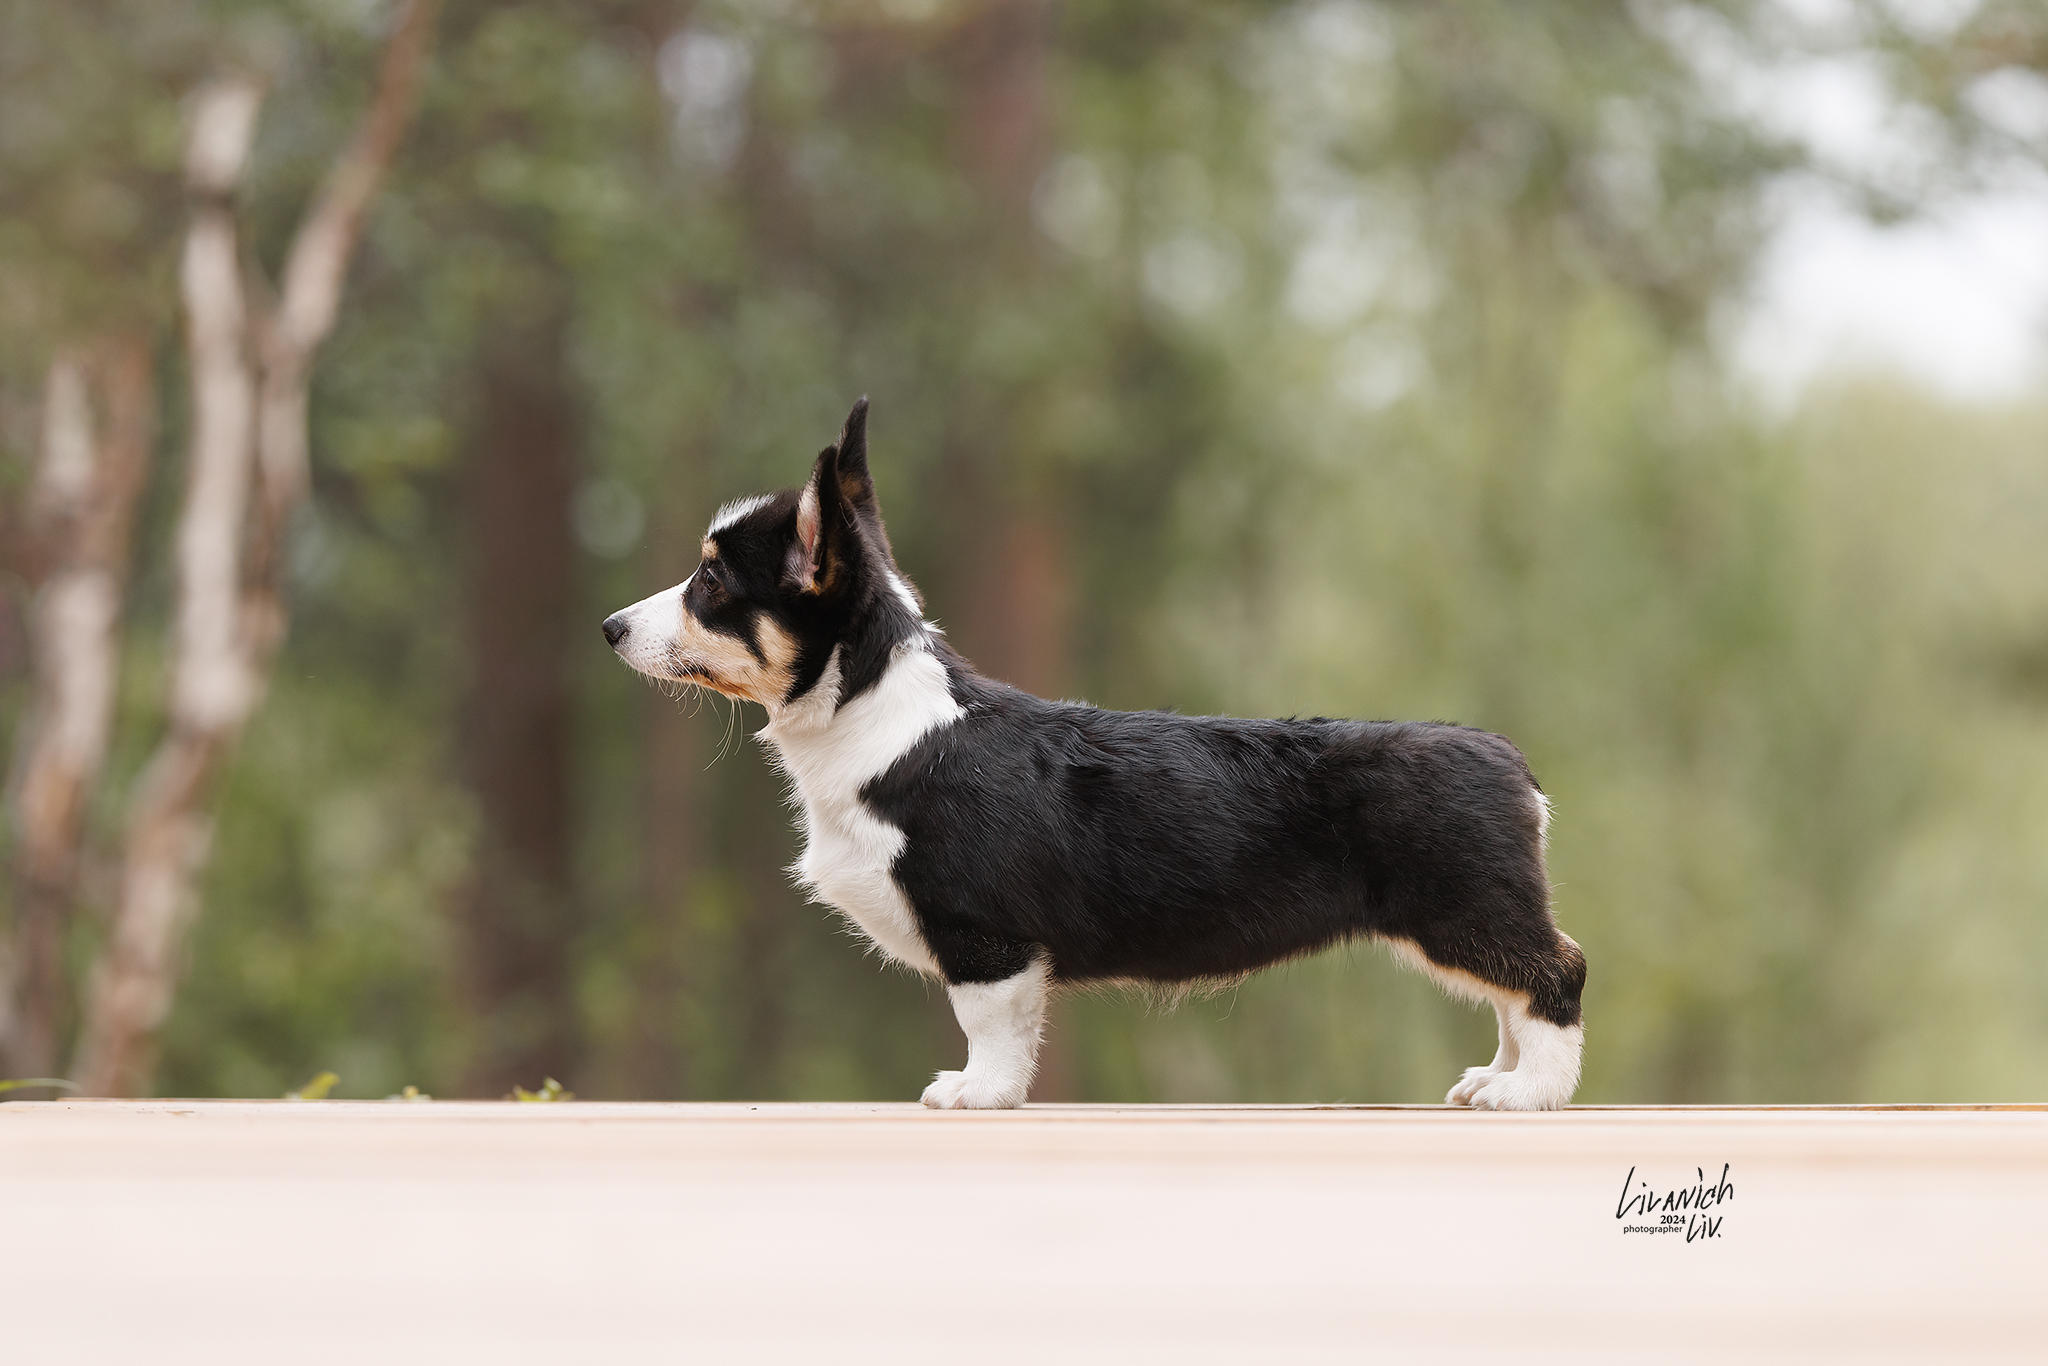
x=1008 y=846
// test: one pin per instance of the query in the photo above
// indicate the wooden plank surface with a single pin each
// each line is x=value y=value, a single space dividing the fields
x=206 y=1231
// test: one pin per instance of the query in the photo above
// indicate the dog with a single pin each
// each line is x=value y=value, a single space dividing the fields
x=1007 y=845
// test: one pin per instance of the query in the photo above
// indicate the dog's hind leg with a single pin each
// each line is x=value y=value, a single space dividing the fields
x=1003 y=1022
x=1541 y=1033
x=1504 y=1057
x=1546 y=1069
x=1542 y=1020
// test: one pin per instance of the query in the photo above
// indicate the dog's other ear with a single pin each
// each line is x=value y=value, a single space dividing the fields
x=826 y=529
x=856 y=484
x=853 y=456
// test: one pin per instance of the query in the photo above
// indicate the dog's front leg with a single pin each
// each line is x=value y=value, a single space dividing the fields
x=1002 y=1021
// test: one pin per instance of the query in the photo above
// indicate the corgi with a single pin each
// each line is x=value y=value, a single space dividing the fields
x=1009 y=846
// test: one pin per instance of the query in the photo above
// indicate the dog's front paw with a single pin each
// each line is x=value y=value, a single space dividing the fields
x=944 y=1092
x=965 y=1091
x=1469 y=1085
x=1520 y=1090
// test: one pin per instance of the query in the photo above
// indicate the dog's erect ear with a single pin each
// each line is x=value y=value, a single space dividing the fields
x=826 y=530
x=853 y=456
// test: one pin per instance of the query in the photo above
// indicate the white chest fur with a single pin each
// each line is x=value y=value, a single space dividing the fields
x=829 y=756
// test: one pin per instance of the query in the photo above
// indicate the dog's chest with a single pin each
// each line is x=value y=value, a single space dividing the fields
x=848 y=855
x=849 y=851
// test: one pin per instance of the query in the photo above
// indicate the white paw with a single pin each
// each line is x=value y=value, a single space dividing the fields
x=1519 y=1091
x=964 y=1091
x=1469 y=1085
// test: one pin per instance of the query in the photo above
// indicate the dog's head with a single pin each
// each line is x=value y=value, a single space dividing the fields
x=786 y=581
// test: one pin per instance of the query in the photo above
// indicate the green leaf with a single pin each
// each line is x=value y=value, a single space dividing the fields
x=316 y=1089
x=550 y=1090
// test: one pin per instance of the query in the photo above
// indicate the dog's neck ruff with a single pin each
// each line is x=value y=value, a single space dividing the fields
x=830 y=751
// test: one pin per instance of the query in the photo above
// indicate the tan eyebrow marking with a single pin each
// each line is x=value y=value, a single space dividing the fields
x=709 y=548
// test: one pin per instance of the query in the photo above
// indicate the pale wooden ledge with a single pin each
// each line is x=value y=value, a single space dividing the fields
x=353 y=1231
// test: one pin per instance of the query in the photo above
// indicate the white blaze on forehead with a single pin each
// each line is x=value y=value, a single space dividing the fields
x=736 y=509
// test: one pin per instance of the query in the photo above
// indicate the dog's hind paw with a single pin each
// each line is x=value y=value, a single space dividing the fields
x=965 y=1091
x=1469 y=1085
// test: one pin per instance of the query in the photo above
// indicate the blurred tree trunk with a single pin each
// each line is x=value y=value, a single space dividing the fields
x=1017 y=621
x=247 y=477
x=765 y=995
x=520 y=920
x=1002 y=130
x=132 y=983
x=657 y=1064
x=81 y=507
x=1019 y=618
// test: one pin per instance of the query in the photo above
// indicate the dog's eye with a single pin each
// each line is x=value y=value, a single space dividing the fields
x=711 y=584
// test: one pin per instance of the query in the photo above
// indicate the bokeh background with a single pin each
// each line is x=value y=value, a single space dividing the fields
x=1435 y=360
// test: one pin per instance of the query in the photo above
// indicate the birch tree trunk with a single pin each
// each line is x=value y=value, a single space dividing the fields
x=248 y=475
x=211 y=692
x=81 y=506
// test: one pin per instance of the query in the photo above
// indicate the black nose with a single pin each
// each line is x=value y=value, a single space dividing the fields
x=614 y=630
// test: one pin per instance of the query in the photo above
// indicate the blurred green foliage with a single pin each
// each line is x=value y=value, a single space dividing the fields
x=1353 y=359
